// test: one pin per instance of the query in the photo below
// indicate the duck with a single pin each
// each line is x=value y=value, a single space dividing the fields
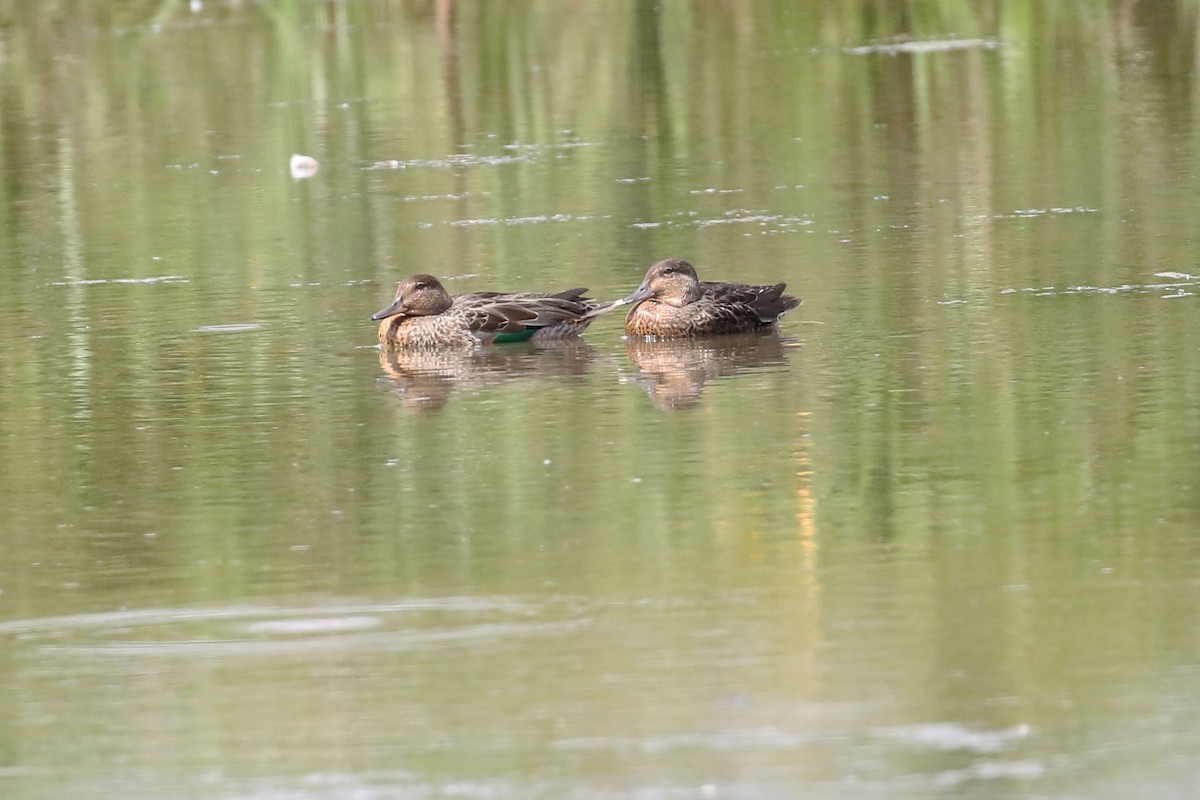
x=672 y=303
x=423 y=315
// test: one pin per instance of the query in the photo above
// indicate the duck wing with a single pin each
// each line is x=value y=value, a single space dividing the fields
x=732 y=292
x=767 y=303
x=494 y=315
x=494 y=312
x=575 y=295
x=549 y=310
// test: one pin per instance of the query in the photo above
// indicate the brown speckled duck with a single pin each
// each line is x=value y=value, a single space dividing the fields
x=424 y=315
x=672 y=303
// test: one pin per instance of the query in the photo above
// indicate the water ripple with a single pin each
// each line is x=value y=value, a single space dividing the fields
x=535 y=219
x=952 y=736
x=98 y=281
x=1026 y=213
x=926 y=46
x=1178 y=287
x=261 y=630
x=233 y=327
x=161 y=616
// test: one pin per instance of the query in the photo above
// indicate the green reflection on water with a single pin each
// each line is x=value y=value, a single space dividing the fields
x=938 y=538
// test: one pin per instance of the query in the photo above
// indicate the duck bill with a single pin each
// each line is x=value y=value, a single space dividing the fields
x=394 y=309
x=643 y=292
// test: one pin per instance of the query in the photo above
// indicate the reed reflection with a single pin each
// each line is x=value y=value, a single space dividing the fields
x=425 y=379
x=673 y=372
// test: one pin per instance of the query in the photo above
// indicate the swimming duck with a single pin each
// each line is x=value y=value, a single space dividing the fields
x=424 y=315
x=672 y=303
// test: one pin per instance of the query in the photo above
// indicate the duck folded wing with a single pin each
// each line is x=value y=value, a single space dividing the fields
x=728 y=292
x=773 y=303
x=500 y=317
x=741 y=292
x=575 y=295
x=553 y=310
x=728 y=317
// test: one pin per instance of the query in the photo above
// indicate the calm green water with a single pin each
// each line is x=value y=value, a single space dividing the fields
x=940 y=538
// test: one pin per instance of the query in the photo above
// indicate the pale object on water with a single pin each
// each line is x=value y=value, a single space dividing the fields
x=303 y=166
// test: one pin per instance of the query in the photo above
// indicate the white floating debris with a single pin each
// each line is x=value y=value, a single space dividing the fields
x=303 y=166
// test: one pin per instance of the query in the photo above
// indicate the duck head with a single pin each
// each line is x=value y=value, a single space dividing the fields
x=418 y=296
x=672 y=282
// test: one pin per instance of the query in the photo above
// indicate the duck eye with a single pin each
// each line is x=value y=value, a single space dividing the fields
x=670 y=271
x=421 y=286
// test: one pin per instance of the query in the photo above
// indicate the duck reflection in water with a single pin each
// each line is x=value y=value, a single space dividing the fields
x=673 y=372
x=424 y=378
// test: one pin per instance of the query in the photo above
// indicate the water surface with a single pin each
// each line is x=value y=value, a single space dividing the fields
x=936 y=538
